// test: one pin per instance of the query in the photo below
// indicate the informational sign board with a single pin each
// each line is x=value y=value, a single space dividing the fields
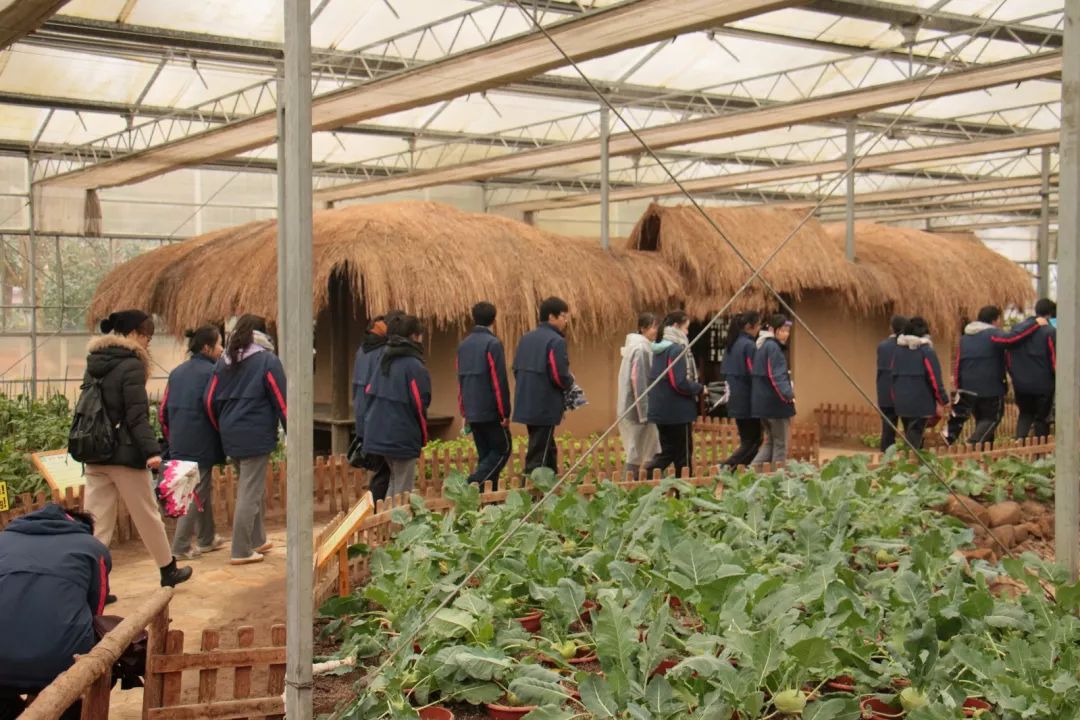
x=4 y=505
x=59 y=469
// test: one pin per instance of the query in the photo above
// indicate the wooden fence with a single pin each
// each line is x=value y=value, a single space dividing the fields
x=338 y=486
x=854 y=422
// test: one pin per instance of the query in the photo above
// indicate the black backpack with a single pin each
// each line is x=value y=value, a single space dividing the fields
x=93 y=436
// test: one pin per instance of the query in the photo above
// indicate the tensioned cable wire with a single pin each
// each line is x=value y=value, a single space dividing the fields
x=406 y=639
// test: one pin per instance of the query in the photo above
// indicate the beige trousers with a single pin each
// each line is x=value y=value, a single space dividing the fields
x=106 y=483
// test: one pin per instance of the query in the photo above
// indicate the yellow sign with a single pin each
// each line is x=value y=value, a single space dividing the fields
x=3 y=497
x=59 y=469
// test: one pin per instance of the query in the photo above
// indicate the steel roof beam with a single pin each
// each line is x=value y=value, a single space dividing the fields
x=711 y=128
x=600 y=33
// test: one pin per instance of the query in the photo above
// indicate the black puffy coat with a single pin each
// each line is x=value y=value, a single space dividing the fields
x=53 y=581
x=738 y=369
x=123 y=367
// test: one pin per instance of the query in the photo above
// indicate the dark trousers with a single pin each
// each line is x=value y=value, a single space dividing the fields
x=749 y=442
x=962 y=408
x=1036 y=412
x=676 y=448
x=11 y=706
x=380 y=480
x=492 y=451
x=913 y=431
x=542 y=450
x=987 y=413
x=888 y=428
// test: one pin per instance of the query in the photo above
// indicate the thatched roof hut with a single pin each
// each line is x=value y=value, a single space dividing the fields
x=714 y=273
x=942 y=277
x=429 y=259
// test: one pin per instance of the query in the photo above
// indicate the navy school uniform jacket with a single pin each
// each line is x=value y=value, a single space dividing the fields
x=54 y=577
x=980 y=359
x=483 y=388
x=183 y=414
x=738 y=369
x=397 y=402
x=886 y=349
x=542 y=376
x=363 y=370
x=916 y=376
x=773 y=395
x=1032 y=364
x=246 y=402
x=673 y=400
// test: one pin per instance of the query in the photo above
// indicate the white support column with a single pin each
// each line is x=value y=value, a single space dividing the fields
x=849 y=206
x=282 y=264
x=1067 y=482
x=1043 y=242
x=605 y=172
x=294 y=246
x=33 y=290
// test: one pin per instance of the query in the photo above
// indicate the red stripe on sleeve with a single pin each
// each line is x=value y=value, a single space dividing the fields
x=772 y=381
x=495 y=385
x=210 y=403
x=161 y=413
x=554 y=370
x=671 y=377
x=103 y=586
x=1002 y=340
x=415 y=389
x=277 y=394
x=933 y=381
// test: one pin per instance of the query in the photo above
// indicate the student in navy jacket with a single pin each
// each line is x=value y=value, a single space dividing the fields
x=980 y=369
x=885 y=351
x=367 y=361
x=773 y=395
x=246 y=402
x=918 y=392
x=1032 y=366
x=395 y=426
x=54 y=579
x=542 y=377
x=484 y=395
x=738 y=369
x=191 y=436
x=673 y=401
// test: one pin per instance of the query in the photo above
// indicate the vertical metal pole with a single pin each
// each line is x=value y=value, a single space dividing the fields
x=849 y=204
x=296 y=244
x=1067 y=482
x=1042 y=247
x=33 y=288
x=282 y=302
x=605 y=170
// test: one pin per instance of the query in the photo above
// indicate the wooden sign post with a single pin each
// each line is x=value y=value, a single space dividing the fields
x=59 y=469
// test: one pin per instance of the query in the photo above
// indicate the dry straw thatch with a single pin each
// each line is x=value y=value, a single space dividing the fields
x=426 y=258
x=944 y=278
x=809 y=261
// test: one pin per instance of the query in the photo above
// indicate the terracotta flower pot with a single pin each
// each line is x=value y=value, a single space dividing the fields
x=874 y=708
x=531 y=622
x=841 y=683
x=435 y=712
x=508 y=712
x=663 y=667
x=584 y=655
x=973 y=705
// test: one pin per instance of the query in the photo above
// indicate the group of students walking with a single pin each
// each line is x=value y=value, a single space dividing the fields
x=911 y=392
x=223 y=402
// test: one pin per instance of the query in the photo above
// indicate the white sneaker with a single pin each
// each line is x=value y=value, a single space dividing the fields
x=219 y=542
x=250 y=559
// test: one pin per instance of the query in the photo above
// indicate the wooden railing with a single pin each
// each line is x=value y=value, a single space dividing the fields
x=90 y=678
x=854 y=422
x=333 y=542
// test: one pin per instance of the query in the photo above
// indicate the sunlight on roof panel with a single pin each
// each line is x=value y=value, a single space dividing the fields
x=35 y=70
x=94 y=9
x=251 y=19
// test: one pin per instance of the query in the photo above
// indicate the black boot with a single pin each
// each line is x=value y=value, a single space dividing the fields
x=171 y=576
x=110 y=599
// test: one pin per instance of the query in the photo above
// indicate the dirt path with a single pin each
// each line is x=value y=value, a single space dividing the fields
x=218 y=596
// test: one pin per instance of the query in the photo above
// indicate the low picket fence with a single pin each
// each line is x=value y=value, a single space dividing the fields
x=852 y=423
